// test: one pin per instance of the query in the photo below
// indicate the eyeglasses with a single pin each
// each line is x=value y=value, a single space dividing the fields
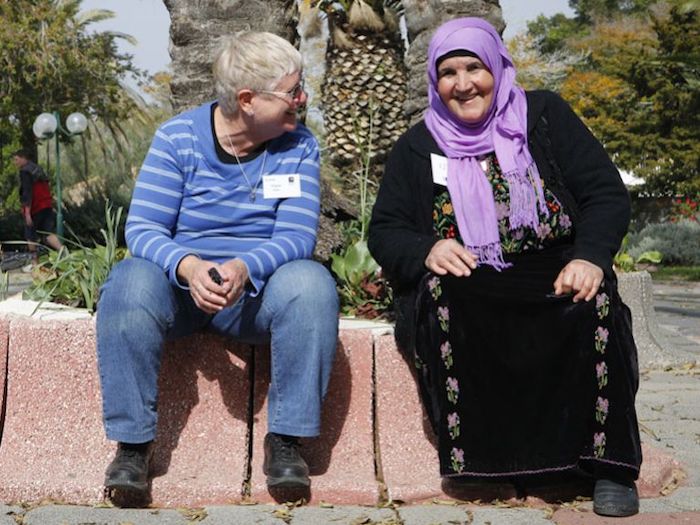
x=293 y=95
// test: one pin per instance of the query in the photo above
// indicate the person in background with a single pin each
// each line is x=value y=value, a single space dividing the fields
x=497 y=221
x=222 y=226
x=37 y=205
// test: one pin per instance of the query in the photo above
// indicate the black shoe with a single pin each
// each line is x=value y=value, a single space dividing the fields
x=283 y=464
x=129 y=468
x=615 y=498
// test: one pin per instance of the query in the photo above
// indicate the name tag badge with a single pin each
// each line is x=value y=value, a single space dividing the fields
x=281 y=186
x=439 y=165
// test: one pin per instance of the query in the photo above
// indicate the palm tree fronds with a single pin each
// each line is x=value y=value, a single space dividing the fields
x=124 y=36
x=93 y=15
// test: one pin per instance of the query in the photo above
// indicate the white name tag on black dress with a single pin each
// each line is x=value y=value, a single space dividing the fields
x=439 y=165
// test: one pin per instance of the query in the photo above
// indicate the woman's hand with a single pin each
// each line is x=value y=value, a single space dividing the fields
x=207 y=295
x=235 y=276
x=581 y=277
x=449 y=256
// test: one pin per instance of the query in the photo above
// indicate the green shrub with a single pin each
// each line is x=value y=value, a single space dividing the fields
x=679 y=242
x=363 y=291
x=85 y=221
x=676 y=273
x=74 y=277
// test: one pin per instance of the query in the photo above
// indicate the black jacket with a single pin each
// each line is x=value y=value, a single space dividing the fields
x=572 y=163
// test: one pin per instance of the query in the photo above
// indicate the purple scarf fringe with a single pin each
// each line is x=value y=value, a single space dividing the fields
x=524 y=188
x=490 y=254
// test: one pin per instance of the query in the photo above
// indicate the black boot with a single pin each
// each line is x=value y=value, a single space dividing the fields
x=283 y=464
x=129 y=468
x=615 y=498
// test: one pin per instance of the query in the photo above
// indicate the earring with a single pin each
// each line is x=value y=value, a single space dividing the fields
x=250 y=113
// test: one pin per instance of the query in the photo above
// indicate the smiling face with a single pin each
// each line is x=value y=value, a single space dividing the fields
x=466 y=87
x=276 y=110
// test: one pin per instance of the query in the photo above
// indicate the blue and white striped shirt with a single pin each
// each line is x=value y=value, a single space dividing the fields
x=189 y=202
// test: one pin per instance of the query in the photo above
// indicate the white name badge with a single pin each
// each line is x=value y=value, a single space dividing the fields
x=281 y=186
x=439 y=165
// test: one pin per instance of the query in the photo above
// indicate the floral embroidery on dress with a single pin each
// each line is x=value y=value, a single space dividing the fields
x=551 y=228
x=434 y=287
x=602 y=305
x=443 y=314
x=601 y=370
x=601 y=410
x=446 y=353
x=543 y=230
x=599 y=444
x=452 y=390
x=457 y=457
x=453 y=425
x=601 y=339
x=565 y=221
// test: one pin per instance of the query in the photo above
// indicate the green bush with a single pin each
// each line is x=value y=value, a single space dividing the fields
x=679 y=242
x=74 y=277
x=363 y=291
x=676 y=273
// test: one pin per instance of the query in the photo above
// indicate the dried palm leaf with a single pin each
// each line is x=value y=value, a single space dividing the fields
x=341 y=40
x=363 y=18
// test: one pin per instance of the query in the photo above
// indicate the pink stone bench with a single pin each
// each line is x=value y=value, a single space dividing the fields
x=375 y=443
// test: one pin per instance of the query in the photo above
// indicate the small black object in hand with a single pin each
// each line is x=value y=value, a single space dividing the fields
x=215 y=276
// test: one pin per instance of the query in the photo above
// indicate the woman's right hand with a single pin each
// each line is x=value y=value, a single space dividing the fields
x=449 y=256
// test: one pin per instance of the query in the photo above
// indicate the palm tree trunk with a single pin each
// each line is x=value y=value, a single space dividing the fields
x=196 y=29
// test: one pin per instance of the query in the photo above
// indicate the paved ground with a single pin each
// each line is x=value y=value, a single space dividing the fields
x=669 y=413
x=677 y=307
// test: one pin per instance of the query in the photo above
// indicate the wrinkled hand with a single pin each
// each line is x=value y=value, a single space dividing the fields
x=449 y=256
x=207 y=295
x=580 y=277
x=235 y=276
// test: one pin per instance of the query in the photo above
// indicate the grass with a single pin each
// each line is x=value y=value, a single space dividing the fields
x=676 y=273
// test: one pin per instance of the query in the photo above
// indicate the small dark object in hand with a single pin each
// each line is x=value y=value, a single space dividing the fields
x=215 y=276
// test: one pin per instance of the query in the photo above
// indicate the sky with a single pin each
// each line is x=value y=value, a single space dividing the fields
x=148 y=21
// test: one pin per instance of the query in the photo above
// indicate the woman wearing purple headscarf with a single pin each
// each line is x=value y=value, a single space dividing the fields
x=497 y=220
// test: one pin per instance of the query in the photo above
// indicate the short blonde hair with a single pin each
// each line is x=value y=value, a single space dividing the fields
x=252 y=60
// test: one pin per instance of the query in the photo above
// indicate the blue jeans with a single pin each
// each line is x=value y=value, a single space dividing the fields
x=139 y=309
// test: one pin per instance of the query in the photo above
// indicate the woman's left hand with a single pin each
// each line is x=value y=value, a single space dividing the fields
x=235 y=275
x=580 y=277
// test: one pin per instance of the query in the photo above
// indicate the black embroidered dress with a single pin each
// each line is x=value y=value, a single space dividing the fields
x=515 y=379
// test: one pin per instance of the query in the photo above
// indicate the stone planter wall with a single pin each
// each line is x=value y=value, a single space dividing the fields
x=376 y=443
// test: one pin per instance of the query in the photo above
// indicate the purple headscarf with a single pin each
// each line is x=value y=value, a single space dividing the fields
x=503 y=130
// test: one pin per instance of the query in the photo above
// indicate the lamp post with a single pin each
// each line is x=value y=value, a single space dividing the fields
x=48 y=125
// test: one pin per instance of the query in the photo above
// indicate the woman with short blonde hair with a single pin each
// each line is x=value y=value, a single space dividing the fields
x=252 y=60
x=222 y=226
